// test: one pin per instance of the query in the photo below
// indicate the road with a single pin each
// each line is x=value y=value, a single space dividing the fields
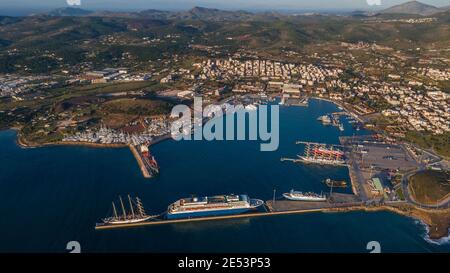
x=358 y=177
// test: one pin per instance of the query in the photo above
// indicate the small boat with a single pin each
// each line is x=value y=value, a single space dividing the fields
x=325 y=119
x=341 y=127
x=300 y=196
x=135 y=215
x=251 y=107
x=335 y=184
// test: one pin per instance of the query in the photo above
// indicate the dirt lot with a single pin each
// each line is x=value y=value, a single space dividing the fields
x=429 y=187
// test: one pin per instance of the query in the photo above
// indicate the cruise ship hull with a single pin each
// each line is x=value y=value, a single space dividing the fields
x=206 y=213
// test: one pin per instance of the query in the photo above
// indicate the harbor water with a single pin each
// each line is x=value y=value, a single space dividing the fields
x=52 y=195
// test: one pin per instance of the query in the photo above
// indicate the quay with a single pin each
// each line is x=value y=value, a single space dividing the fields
x=145 y=172
x=279 y=207
x=204 y=219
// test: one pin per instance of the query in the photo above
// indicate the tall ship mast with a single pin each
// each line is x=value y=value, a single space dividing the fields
x=134 y=214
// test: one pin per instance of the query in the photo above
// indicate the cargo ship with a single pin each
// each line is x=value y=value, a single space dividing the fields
x=300 y=196
x=212 y=206
x=135 y=214
x=149 y=160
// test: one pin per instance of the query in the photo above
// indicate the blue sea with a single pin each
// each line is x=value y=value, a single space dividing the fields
x=52 y=195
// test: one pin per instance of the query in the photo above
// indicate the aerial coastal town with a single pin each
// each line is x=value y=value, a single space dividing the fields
x=118 y=78
x=406 y=104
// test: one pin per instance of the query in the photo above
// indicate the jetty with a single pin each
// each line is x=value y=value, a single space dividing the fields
x=214 y=218
x=145 y=171
x=271 y=208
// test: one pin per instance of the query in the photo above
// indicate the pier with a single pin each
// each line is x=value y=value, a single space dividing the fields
x=279 y=207
x=146 y=170
x=215 y=218
x=137 y=155
x=316 y=143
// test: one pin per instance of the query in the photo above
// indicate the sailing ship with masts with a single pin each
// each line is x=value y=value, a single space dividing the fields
x=135 y=214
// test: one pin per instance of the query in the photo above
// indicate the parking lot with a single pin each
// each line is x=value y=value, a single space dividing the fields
x=384 y=156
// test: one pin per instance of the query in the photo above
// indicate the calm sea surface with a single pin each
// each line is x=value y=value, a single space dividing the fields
x=50 y=196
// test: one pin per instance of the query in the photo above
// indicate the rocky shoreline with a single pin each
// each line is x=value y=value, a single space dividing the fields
x=437 y=221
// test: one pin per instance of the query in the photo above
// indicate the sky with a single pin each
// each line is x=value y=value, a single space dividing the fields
x=25 y=6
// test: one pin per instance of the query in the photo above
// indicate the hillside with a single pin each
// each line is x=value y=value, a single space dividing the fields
x=413 y=7
x=103 y=38
x=429 y=187
x=69 y=11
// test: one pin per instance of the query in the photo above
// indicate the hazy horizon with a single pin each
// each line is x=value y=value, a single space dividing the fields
x=25 y=7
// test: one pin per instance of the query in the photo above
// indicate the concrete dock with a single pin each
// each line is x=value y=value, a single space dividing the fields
x=146 y=172
x=204 y=219
x=280 y=207
x=136 y=154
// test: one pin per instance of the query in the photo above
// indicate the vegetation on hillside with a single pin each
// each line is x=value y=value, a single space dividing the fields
x=429 y=187
x=439 y=143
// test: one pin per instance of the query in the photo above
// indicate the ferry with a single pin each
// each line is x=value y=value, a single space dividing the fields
x=135 y=215
x=300 y=196
x=212 y=206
